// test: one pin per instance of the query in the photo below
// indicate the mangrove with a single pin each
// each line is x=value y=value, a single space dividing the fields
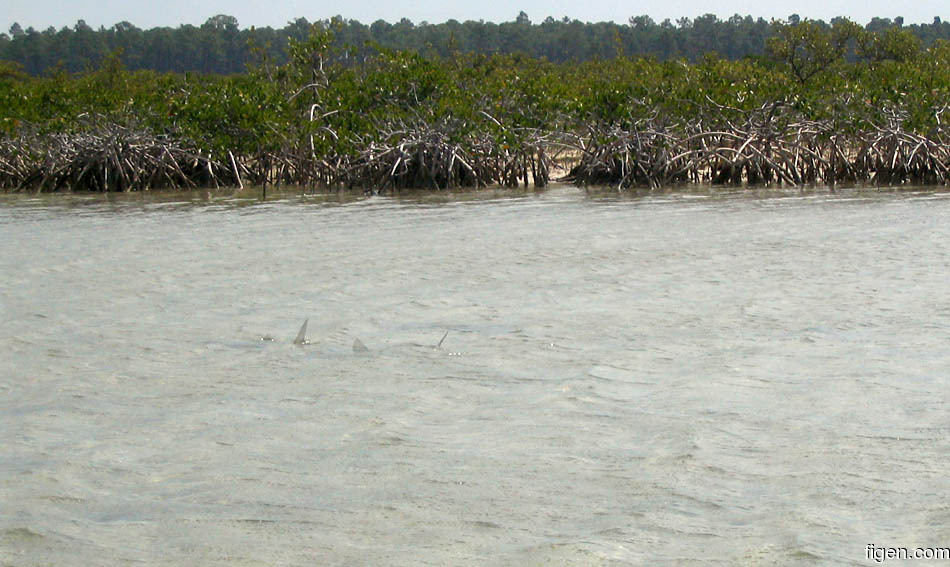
x=825 y=104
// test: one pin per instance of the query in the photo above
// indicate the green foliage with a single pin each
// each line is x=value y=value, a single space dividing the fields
x=221 y=46
x=327 y=99
x=893 y=44
x=809 y=48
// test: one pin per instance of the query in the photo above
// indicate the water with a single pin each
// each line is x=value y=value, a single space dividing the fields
x=726 y=378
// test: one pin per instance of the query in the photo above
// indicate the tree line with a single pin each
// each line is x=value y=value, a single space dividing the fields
x=823 y=104
x=220 y=46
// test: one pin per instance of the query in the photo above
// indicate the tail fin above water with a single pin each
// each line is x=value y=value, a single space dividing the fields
x=302 y=334
x=443 y=340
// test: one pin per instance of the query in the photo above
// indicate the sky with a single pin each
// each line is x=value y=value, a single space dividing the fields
x=41 y=14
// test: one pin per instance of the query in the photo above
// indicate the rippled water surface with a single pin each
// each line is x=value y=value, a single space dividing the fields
x=726 y=378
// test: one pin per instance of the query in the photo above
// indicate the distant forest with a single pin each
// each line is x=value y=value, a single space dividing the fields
x=221 y=46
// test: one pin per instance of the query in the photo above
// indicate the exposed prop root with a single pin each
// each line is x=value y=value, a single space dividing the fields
x=773 y=146
x=107 y=158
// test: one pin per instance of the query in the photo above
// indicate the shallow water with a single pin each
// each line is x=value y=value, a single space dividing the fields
x=731 y=378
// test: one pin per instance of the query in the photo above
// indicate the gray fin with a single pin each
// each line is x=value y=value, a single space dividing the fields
x=358 y=346
x=302 y=334
x=443 y=340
